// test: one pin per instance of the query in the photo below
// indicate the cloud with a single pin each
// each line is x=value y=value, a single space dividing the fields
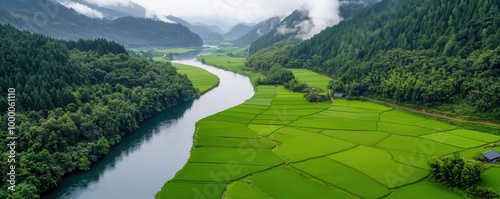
x=110 y=2
x=323 y=14
x=227 y=13
x=82 y=9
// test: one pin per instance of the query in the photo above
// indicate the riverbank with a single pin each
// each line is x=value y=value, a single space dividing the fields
x=158 y=149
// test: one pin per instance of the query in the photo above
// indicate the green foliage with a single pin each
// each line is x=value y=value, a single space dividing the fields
x=482 y=193
x=277 y=75
x=455 y=171
x=314 y=96
x=74 y=100
x=422 y=52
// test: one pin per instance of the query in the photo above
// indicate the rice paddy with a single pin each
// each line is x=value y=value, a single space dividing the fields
x=277 y=145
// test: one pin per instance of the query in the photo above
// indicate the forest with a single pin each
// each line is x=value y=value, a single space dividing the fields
x=74 y=100
x=434 y=54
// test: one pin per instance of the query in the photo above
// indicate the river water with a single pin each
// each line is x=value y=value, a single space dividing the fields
x=144 y=160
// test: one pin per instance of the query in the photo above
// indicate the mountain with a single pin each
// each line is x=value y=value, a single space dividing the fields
x=213 y=28
x=291 y=29
x=237 y=31
x=433 y=53
x=285 y=33
x=58 y=21
x=206 y=34
x=113 y=11
x=257 y=31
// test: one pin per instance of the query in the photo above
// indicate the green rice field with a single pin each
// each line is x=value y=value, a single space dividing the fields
x=278 y=145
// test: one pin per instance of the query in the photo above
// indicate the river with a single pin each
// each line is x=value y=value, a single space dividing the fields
x=144 y=160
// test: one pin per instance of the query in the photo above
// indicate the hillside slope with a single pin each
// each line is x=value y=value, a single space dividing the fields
x=57 y=21
x=441 y=54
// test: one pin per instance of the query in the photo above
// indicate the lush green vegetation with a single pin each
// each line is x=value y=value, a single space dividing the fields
x=456 y=172
x=435 y=54
x=277 y=144
x=74 y=100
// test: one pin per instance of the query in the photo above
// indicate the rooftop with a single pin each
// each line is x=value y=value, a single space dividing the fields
x=492 y=155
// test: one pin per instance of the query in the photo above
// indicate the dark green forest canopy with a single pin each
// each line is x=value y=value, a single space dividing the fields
x=426 y=52
x=73 y=101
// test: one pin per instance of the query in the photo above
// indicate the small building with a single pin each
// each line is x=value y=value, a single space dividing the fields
x=339 y=95
x=492 y=156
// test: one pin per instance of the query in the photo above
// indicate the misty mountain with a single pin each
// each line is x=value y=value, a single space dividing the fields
x=257 y=31
x=55 y=20
x=213 y=28
x=291 y=29
x=206 y=34
x=130 y=9
x=237 y=32
x=285 y=33
x=431 y=53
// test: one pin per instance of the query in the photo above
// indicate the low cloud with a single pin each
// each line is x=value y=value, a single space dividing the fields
x=82 y=9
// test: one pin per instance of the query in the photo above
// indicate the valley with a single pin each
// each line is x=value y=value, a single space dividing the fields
x=262 y=99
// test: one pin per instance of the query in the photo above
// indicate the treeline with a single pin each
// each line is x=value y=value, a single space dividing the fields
x=73 y=101
x=417 y=51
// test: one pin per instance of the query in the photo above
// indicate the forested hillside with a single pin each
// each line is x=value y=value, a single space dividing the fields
x=427 y=52
x=49 y=18
x=73 y=100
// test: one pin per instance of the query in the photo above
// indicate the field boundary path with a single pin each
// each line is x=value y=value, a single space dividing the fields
x=434 y=114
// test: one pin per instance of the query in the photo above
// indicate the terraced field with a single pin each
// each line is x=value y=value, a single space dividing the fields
x=277 y=145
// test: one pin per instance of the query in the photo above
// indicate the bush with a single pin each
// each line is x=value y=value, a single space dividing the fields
x=455 y=171
x=482 y=193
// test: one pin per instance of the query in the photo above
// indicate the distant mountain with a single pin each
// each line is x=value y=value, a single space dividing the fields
x=258 y=31
x=206 y=34
x=286 y=32
x=113 y=11
x=237 y=32
x=213 y=28
x=61 y=22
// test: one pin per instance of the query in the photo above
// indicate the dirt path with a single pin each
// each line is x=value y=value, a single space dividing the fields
x=438 y=115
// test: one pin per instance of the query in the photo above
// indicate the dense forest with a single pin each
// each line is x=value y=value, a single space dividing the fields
x=73 y=100
x=52 y=19
x=434 y=53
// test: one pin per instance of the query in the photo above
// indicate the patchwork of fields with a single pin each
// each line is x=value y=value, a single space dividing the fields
x=278 y=145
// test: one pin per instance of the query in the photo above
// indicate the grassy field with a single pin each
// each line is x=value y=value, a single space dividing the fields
x=310 y=78
x=201 y=79
x=277 y=145
x=221 y=58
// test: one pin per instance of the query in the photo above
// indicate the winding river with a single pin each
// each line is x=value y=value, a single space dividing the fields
x=144 y=160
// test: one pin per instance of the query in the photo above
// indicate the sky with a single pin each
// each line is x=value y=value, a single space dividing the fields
x=227 y=13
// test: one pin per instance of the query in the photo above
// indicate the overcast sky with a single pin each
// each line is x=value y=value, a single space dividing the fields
x=226 y=13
